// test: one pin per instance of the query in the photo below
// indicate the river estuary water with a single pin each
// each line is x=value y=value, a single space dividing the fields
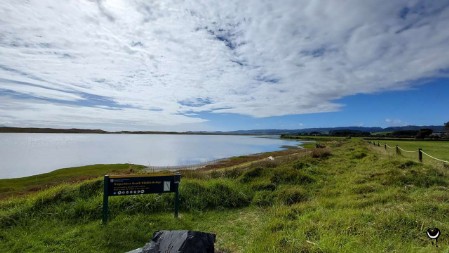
x=26 y=154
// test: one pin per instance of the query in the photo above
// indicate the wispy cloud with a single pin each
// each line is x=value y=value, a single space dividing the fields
x=156 y=64
x=395 y=122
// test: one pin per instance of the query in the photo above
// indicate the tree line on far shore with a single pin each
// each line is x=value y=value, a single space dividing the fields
x=423 y=133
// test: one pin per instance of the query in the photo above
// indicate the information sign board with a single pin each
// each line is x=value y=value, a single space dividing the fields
x=137 y=184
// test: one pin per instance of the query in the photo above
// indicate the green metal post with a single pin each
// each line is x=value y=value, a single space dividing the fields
x=176 y=203
x=105 y=199
x=177 y=180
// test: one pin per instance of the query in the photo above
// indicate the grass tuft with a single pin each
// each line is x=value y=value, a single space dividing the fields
x=251 y=174
x=292 y=196
x=321 y=153
x=291 y=176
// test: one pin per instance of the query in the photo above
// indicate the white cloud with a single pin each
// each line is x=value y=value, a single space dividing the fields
x=41 y=113
x=165 y=61
x=395 y=122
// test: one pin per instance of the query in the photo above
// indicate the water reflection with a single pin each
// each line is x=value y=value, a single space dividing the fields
x=30 y=154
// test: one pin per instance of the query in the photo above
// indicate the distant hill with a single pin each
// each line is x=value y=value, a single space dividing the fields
x=434 y=128
x=322 y=130
x=326 y=130
x=48 y=130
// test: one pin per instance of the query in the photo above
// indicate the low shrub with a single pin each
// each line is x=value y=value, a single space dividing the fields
x=264 y=187
x=321 y=153
x=228 y=195
x=264 y=198
x=299 y=165
x=291 y=176
x=232 y=174
x=265 y=164
x=407 y=164
x=197 y=195
x=53 y=197
x=192 y=195
x=367 y=188
x=216 y=174
x=251 y=174
x=291 y=196
x=359 y=155
x=320 y=145
x=90 y=188
x=84 y=210
x=420 y=177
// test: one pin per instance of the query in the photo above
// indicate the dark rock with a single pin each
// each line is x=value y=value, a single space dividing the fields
x=182 y=241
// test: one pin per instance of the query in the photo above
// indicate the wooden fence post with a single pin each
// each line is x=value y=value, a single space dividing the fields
x=420 y=154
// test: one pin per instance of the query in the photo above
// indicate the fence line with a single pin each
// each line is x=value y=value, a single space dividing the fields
x=407 y=150
x=420 y=151
x=434 y=157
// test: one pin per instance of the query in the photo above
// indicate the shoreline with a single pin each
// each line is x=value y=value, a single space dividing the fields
x=50 y=152
x=22 y=186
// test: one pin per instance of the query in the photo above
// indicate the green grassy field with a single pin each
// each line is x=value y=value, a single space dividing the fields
x=438 y=149
x=26 y=185
x=347 y=197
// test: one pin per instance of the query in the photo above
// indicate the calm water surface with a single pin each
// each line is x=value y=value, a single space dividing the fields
x=26 y=154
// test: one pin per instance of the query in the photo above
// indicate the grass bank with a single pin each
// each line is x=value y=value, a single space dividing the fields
x=31 y=184
x=346 y=197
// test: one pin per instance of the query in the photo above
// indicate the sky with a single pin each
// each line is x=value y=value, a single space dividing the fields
x=223 y=65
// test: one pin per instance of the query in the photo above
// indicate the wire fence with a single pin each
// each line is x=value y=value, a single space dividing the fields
x=408 y=153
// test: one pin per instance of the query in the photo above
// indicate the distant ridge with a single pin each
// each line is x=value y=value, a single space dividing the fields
x=323 y=130
x=48 y=130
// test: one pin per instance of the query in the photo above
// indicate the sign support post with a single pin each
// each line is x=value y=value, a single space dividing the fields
x=105 y=200
x=177 y=181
